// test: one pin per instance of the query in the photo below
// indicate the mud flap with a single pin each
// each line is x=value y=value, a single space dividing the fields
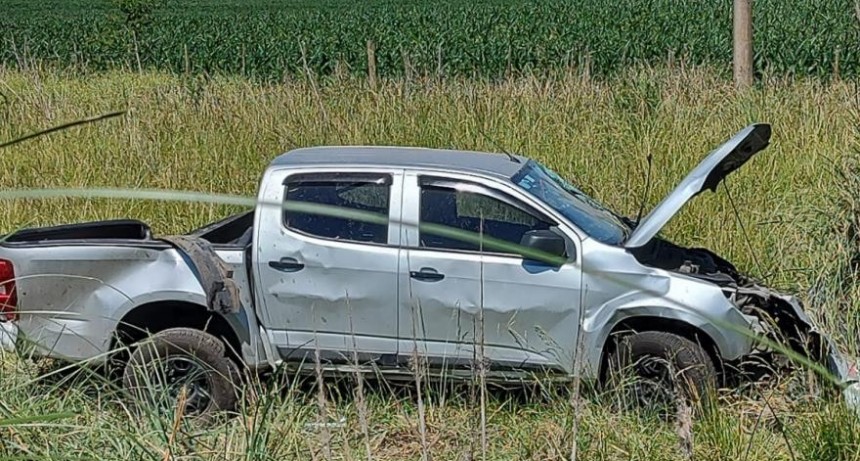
x=214 y=275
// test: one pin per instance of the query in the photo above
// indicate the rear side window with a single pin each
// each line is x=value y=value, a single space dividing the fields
x=352 y=207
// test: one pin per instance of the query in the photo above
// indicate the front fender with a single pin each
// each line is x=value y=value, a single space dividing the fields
x=713 y=314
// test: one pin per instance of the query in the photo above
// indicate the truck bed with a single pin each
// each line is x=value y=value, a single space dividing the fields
x=233 y=231
x=76 y=282
x=120 y=229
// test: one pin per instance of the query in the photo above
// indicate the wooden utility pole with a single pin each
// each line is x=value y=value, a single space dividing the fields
x=743 y=43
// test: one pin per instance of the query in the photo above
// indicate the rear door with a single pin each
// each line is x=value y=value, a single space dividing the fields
x=456 y=294
x=328 y=262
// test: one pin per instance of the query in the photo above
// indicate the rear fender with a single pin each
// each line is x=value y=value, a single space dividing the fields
x=244 y=326
x=214 y=276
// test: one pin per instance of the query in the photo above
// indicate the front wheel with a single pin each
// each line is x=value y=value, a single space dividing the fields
x=663 y=368
x=185 y=369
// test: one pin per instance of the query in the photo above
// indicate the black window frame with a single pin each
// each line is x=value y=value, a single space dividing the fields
x=382 y=179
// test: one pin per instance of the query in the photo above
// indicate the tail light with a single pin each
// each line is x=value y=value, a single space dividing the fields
x=8 y=294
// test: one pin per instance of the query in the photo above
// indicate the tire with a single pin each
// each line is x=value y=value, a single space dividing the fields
x=665 y=368
x=165 y=363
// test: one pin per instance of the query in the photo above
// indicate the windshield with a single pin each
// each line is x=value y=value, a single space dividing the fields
x=583 y=211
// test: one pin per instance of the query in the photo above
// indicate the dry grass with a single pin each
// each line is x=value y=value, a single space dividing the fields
x=217 y=136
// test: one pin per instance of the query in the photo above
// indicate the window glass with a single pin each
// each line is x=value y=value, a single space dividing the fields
x=342 y=208
x=466 y=210
x=470 y=205
x=586 y=213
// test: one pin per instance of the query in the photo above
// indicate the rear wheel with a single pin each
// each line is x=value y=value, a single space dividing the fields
x=184 y=369
x=654 y=370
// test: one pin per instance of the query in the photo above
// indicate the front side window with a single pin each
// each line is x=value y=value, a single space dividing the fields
x=467 y=218
x=352 y=207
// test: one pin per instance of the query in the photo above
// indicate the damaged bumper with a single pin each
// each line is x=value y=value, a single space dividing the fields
x=8 y=336
x=852 y=396
x=844 y=369
x=783 y=316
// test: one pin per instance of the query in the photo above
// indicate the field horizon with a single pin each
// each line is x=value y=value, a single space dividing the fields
x=786 y=218
x=272 y=39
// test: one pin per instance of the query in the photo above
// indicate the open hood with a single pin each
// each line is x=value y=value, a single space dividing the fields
x=707 y=175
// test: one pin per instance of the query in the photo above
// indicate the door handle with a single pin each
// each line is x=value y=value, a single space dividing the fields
x=287 y=265
x=427 y=274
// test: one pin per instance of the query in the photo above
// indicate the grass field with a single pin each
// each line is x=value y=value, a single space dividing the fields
x=267 y=39
x=217 y=135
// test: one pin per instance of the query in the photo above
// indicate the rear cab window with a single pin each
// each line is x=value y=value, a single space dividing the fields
x=350 y=207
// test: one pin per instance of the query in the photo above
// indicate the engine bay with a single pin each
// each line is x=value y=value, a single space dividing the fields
x=695 y=262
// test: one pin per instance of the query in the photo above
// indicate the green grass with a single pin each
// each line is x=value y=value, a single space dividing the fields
x=218 y=135
x=277 y=421
x=269 y=39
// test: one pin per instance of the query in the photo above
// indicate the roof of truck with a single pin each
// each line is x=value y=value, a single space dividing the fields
x=403 y=157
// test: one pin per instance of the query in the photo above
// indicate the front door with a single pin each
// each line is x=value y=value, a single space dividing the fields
x=328 y=263
x=459 y=294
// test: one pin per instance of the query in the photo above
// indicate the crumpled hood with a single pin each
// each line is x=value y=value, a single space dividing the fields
x=707 y=175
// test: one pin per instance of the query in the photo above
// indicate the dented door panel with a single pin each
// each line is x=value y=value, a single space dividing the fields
x=534 y=305
x=529 y=311
x=326 y=293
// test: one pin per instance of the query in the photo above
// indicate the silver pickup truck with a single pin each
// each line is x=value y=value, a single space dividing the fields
x=370 y=256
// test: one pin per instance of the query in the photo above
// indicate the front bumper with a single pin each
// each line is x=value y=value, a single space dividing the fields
x=8 y=336
x=845 y=370
x=846 y=373
x=852 y=396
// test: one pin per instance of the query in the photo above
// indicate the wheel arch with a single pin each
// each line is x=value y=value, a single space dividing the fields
x=640 y=323
x=156 y=316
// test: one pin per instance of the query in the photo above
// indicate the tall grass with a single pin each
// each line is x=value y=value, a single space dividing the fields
x=218 y=135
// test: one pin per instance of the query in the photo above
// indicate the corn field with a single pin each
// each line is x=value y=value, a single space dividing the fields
x=273 y=39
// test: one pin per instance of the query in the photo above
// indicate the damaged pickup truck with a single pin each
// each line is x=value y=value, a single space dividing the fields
x=369 y=256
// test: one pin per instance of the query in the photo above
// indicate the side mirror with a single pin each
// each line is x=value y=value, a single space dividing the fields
x=552 y=246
